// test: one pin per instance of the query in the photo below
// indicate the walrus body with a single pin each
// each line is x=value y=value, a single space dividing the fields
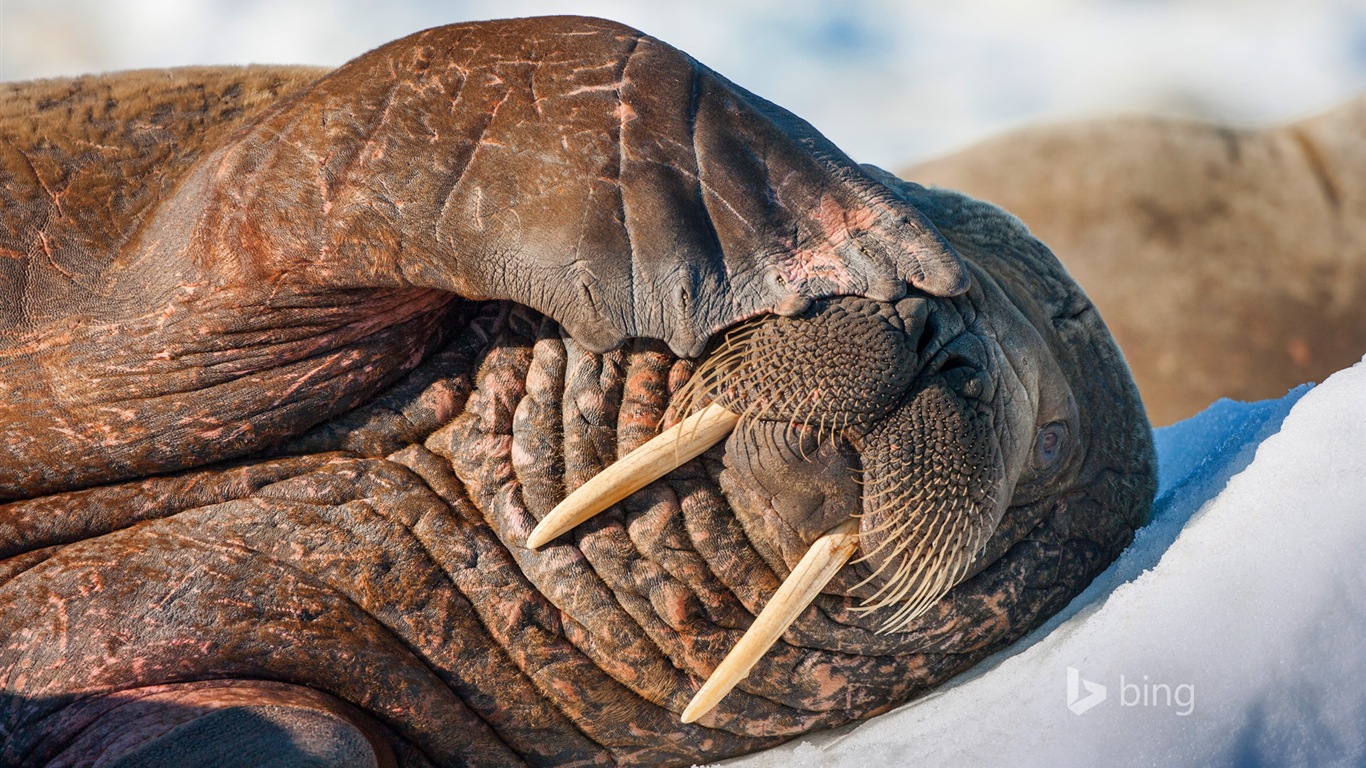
x=289 y=368
x=1228 y=262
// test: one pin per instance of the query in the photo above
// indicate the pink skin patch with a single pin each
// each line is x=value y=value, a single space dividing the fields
x=822 y=260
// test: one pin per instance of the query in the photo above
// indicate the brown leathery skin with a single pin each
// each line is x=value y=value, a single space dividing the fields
x=83 y=161
x=355 y=574
x=394 y=582
x=131 y=727
x=572 y=165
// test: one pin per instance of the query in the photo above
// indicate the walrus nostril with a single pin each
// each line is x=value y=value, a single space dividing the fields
x=918 y=324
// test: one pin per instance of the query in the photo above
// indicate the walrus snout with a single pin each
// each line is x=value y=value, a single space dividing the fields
x=923 y=527
x=855 y=409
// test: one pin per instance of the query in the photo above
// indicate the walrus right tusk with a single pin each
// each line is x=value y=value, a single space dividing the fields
x=818 y=566
x=637 y=469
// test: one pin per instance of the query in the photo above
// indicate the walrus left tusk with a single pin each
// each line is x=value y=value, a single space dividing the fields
x=818 y=566
x=637 y=469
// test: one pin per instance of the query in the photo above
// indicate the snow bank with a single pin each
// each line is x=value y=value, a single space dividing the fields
x=1232 y=632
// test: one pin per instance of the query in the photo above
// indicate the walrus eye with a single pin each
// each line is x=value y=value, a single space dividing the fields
x=1048 y=446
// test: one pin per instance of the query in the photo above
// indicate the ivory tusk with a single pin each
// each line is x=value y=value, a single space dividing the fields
x=637 y=469
x=818 y=566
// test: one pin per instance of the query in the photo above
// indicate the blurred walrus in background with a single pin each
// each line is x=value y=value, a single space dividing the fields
x=1228 y=263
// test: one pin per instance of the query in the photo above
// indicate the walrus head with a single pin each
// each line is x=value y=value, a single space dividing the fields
x=922 y=438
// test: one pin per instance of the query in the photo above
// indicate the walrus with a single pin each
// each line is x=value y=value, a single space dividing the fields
x=465 y=405
x=1229 y=262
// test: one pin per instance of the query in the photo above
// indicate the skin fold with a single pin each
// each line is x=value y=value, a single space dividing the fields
x=292 y=362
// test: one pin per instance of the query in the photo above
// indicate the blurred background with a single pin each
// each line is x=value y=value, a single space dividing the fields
x=891 y=81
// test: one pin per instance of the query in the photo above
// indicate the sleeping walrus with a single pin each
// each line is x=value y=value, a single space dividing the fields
x=1228 y=262
x=297 y=370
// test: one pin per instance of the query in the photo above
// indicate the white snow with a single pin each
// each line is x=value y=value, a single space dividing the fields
x=1232 y=631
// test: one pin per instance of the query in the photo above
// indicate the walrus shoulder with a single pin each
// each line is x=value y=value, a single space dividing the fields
x=82 y=161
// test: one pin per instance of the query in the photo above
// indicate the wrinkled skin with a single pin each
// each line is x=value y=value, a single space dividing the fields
x=279 y=417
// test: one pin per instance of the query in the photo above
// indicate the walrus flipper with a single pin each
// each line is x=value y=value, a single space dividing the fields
x=575 y=166
x=571 y=165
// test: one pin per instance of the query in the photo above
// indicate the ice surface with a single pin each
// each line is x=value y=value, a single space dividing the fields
x=1232 y=632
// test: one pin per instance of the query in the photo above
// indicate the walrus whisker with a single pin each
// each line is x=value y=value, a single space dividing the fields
x=928 y=554
x=913 y=572
x=660 y=455
x=802 y=422
x=736 y=357
x=909 y=573
x=904 y=529
x=755 y=413
x=868 y=606
x=920 y=583
x=727 y=361
x=929 y=593
x=918 y=521
x=906 y=496
x=923 y=568
x=857 y=477
x=915 y=588
x=826 y=556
